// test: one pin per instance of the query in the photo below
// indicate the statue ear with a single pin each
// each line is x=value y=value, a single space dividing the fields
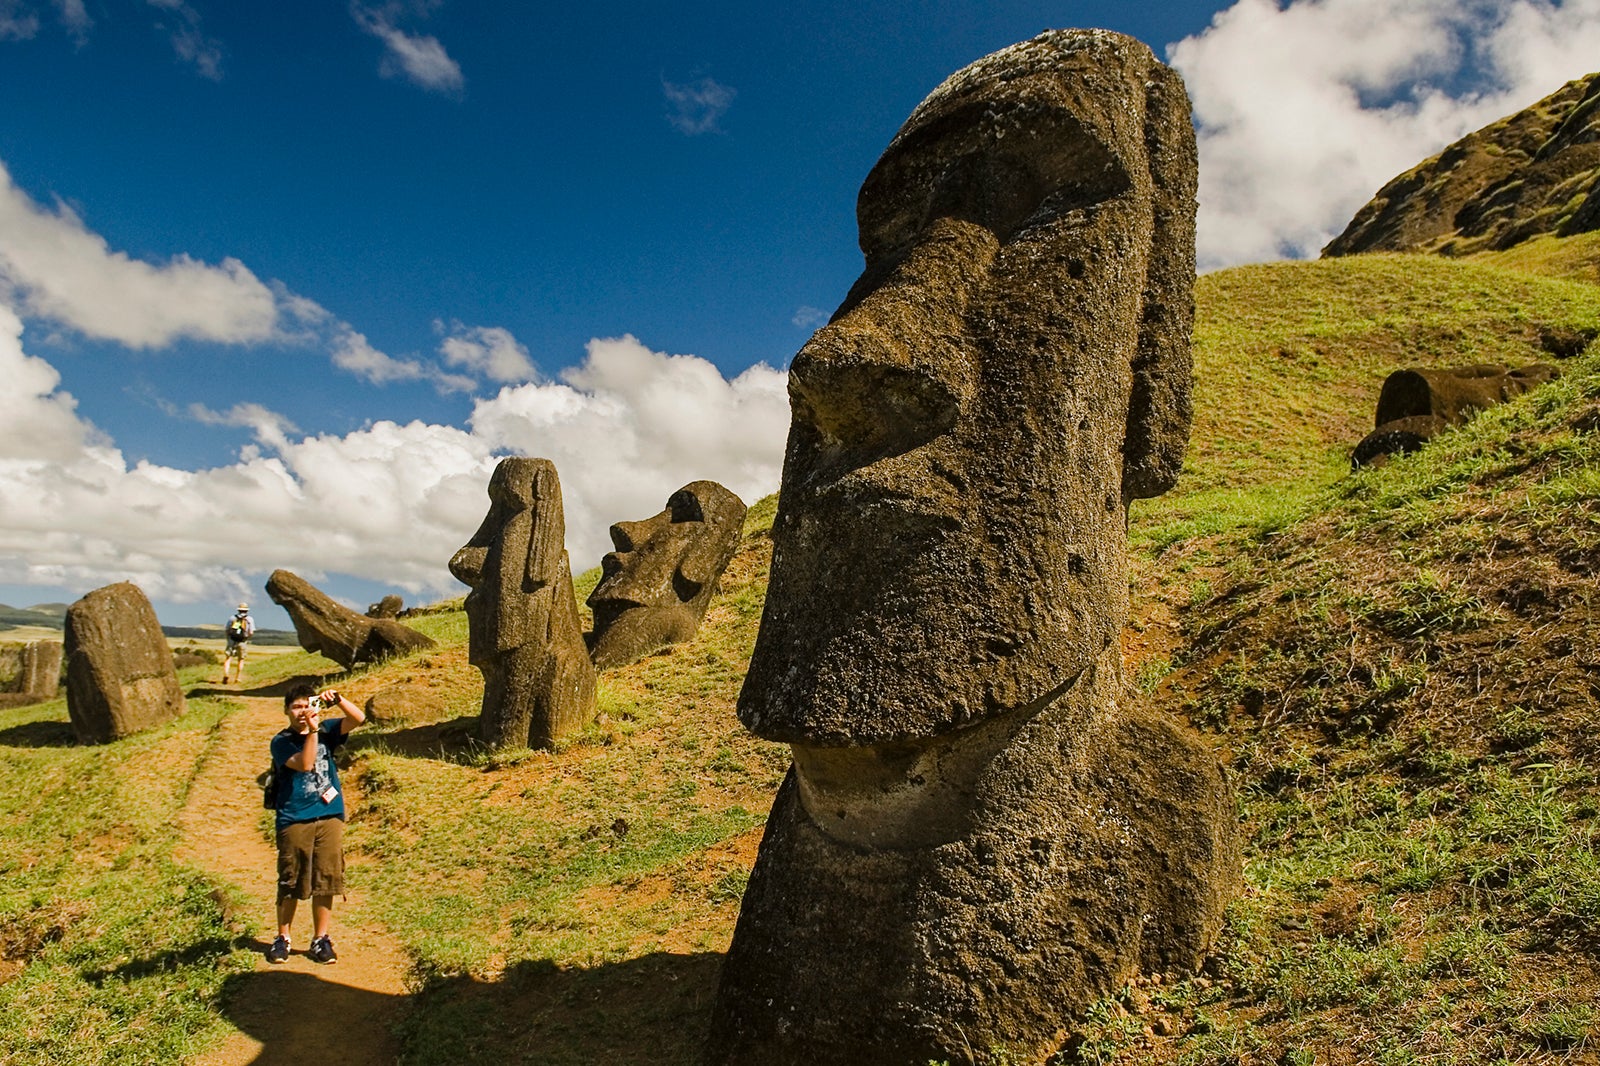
x=1160 y=408
x=547 y=541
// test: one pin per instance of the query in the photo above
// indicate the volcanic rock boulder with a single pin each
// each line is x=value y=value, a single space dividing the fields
x=1416 y=404
x=524 y=631
x=660 y=580
x=981 y=832
x=120 y=678
x=329 y=628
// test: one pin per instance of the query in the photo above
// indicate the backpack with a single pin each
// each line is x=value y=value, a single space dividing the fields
x=269 y=787
x=238 y=632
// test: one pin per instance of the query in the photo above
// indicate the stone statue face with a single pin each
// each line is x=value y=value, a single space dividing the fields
x=513 y=559
x=1009 y=370
x=660 y=579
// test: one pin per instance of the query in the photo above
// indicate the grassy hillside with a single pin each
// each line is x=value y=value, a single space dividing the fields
x=1399 y=666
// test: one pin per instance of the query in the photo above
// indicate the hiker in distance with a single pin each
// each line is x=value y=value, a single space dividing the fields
x=310 y=805
x=241 y=627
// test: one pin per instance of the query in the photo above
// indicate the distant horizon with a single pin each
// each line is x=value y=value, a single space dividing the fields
x=279 y=287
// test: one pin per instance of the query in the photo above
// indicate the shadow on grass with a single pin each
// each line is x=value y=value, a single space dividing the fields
x=276 y=688
x=454 y=740
x=50 y=734
x=167 y=961
x=651 y=1010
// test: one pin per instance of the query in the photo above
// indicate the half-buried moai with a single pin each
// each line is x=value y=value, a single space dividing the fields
x=981 y=833
x=120 y=677
x=525 y=634
x=329 y=628
x=1415 y=405
x=660 y=580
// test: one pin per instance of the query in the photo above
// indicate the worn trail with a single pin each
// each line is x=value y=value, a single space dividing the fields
x=298 y=1010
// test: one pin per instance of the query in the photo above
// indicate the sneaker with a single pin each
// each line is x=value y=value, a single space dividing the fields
x=322 y=951
x=279 y=951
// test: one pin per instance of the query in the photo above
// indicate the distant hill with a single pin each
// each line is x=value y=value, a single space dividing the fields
x=43 y=614
x=277 y=637
x=52 y=615
x=1536 y=172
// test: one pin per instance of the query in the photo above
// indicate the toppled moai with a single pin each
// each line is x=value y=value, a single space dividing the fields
x=660 y=580
x=1415 y=405
x=328 y=628
x=982 y=832
x=35 y=669
x=524 y=631
x=120 y=678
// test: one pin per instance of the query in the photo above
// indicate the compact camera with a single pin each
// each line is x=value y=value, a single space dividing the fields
x=318 y=703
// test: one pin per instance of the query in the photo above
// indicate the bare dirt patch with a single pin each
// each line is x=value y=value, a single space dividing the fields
x=282 y=1012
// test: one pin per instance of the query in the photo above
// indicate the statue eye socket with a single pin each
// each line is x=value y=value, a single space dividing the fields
x=997 y=171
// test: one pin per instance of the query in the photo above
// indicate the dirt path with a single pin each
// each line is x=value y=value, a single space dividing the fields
x=299 y=1010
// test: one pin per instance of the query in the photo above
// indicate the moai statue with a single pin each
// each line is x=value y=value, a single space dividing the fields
x=1416 y=405
x=660 y=580
x=981 y=832
x=1455 y=394
x=327 y=627
x=120 y=678
x=525 y=635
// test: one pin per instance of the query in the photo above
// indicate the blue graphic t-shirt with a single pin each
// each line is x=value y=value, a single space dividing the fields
x=300 y=793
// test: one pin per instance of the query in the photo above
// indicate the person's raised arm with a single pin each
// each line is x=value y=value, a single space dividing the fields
x=353 y=714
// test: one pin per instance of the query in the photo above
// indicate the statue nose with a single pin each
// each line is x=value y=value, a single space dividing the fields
x=869 y=392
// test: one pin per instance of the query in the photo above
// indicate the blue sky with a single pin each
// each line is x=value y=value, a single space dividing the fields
x=280 y=282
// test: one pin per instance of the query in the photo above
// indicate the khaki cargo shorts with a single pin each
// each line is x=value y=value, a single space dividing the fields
x=311 y=859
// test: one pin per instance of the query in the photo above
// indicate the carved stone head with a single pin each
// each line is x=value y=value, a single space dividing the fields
x=514 y=560
x=660 y=580
x=1009 y=371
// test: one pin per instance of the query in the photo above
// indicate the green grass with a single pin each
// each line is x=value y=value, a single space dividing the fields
x=1392 y=662
x=122 y=951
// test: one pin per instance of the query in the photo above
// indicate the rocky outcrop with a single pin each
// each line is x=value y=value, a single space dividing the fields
x=524 y=632
x=328 y=628
x=120 y=678
x=662 y=575
x=1536 y=172
x=982 y=832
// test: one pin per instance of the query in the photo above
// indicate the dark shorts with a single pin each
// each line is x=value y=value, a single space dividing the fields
x=311 y=859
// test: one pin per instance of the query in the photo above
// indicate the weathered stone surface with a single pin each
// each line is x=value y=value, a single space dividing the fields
x=388 y=607
x=1455 y=394
x=525 y=634
x=1413 y=405
x=979 y=836
x=1532 y=173
x=1396 y=438
x=329 y=628
x=35 y=672
x=660 y=580
x=120 y=679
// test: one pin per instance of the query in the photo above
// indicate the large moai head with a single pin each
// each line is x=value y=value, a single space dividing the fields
x=1009 y=371
x=662 y=575
x=514 y=560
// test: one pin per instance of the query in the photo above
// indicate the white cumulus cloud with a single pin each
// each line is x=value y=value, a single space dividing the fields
x=1305 y=110
x=388 y=503
x=487 y=350
x=54 y=267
